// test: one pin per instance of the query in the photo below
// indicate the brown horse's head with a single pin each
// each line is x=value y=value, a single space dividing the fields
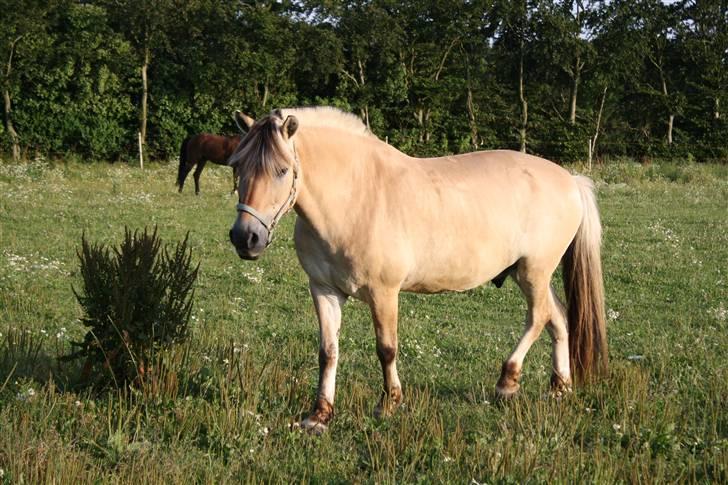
x=267 y=166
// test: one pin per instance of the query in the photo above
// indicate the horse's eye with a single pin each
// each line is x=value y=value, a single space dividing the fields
x=283 y=172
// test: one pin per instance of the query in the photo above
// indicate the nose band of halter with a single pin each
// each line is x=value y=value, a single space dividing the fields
x=287 y=205
x=246 y=208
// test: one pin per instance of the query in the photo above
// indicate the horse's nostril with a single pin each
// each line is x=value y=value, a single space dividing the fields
x=252 y=240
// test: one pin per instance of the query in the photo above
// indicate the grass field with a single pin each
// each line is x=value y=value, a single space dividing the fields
x=224 y=413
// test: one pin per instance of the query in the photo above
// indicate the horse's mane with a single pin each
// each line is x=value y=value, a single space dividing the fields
x=263 y=151
x=327 y=116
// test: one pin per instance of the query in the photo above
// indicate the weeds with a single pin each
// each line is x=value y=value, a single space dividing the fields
x=137 y=301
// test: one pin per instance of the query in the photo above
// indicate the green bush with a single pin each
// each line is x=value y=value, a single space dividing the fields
x=137 y=300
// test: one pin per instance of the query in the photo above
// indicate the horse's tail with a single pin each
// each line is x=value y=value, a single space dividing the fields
x=584 y=288
x=182 y=171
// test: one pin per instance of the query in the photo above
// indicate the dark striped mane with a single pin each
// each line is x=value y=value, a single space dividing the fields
x=262 y=151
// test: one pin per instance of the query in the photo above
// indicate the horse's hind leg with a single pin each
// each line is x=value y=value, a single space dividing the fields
x=535 y=285
x=558 y=329
x=383 y=305
x=184 y=170
x=198 y=171
x=328 y=303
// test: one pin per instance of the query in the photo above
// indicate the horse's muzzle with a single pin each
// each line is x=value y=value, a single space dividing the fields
x=249 y=237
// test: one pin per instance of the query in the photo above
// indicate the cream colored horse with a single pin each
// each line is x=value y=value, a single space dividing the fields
x=373 y=221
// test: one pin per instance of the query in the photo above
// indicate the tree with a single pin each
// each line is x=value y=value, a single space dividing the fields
x=704 y=44
x=514 y=41
x=22 y=30
x=565 y=30
x=145 y=24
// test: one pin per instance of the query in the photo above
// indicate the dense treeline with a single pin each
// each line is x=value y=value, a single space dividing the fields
x=639 y=78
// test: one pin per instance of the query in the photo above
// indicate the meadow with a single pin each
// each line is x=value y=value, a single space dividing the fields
x=225 y=409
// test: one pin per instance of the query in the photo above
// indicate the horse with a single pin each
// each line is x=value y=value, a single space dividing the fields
x=201 y=148
x=373 y=222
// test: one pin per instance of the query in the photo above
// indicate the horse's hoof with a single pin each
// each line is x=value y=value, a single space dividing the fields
x=382 y=411
x=388 y=404
x=313 y=426
x=508 y=386
x=506 y=393
x=560 y=387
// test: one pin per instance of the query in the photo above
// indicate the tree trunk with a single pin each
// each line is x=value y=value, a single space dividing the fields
x=145 y=96
x=471 y=118
x=8 y=104
x=8 y=122
x=716 y=112
x=524 y=105
x=427 y=124
x=420 y=117
x=574 y=90
x=572 y=111
x=265 y=95
x=365 y=116
x=671 y=116
x=599 y=119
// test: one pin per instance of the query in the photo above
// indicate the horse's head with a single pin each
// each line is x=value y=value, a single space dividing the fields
x=267 y=166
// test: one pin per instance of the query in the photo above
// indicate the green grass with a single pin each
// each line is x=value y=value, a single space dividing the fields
x=223 y=411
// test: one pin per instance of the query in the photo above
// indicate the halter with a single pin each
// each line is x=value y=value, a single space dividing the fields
x=287 y=205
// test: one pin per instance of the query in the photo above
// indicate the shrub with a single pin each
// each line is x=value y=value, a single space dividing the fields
x=137 y=300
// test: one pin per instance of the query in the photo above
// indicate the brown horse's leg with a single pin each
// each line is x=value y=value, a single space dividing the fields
x=383 y=305
x=235 y=183
x=328 y=303
x=535 y=285
x=198 y=171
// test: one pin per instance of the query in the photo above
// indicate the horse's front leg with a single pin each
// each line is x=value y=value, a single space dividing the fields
x=384 y=307
x=235 y=183
x=328 y=303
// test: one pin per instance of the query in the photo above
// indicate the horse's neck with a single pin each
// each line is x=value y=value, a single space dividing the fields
x=340 y=174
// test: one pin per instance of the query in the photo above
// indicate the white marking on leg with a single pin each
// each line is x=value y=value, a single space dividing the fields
x=558 y=330
x=328 y=303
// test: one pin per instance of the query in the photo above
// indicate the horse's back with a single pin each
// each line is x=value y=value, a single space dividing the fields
x=470 y=216
x=212 y=147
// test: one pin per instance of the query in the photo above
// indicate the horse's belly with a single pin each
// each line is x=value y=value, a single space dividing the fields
x=457 y=272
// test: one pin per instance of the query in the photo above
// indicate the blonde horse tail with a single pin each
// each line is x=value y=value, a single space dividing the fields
x=584 y=288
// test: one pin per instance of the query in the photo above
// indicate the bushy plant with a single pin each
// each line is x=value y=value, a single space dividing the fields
x=137 y=300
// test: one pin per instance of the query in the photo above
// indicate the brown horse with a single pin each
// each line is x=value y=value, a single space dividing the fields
x=201 y=148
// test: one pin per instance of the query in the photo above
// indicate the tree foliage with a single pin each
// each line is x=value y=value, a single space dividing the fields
x=637 y=77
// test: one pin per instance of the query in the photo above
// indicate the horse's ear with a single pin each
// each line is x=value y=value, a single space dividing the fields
x=243 y=121
x=290 y=126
